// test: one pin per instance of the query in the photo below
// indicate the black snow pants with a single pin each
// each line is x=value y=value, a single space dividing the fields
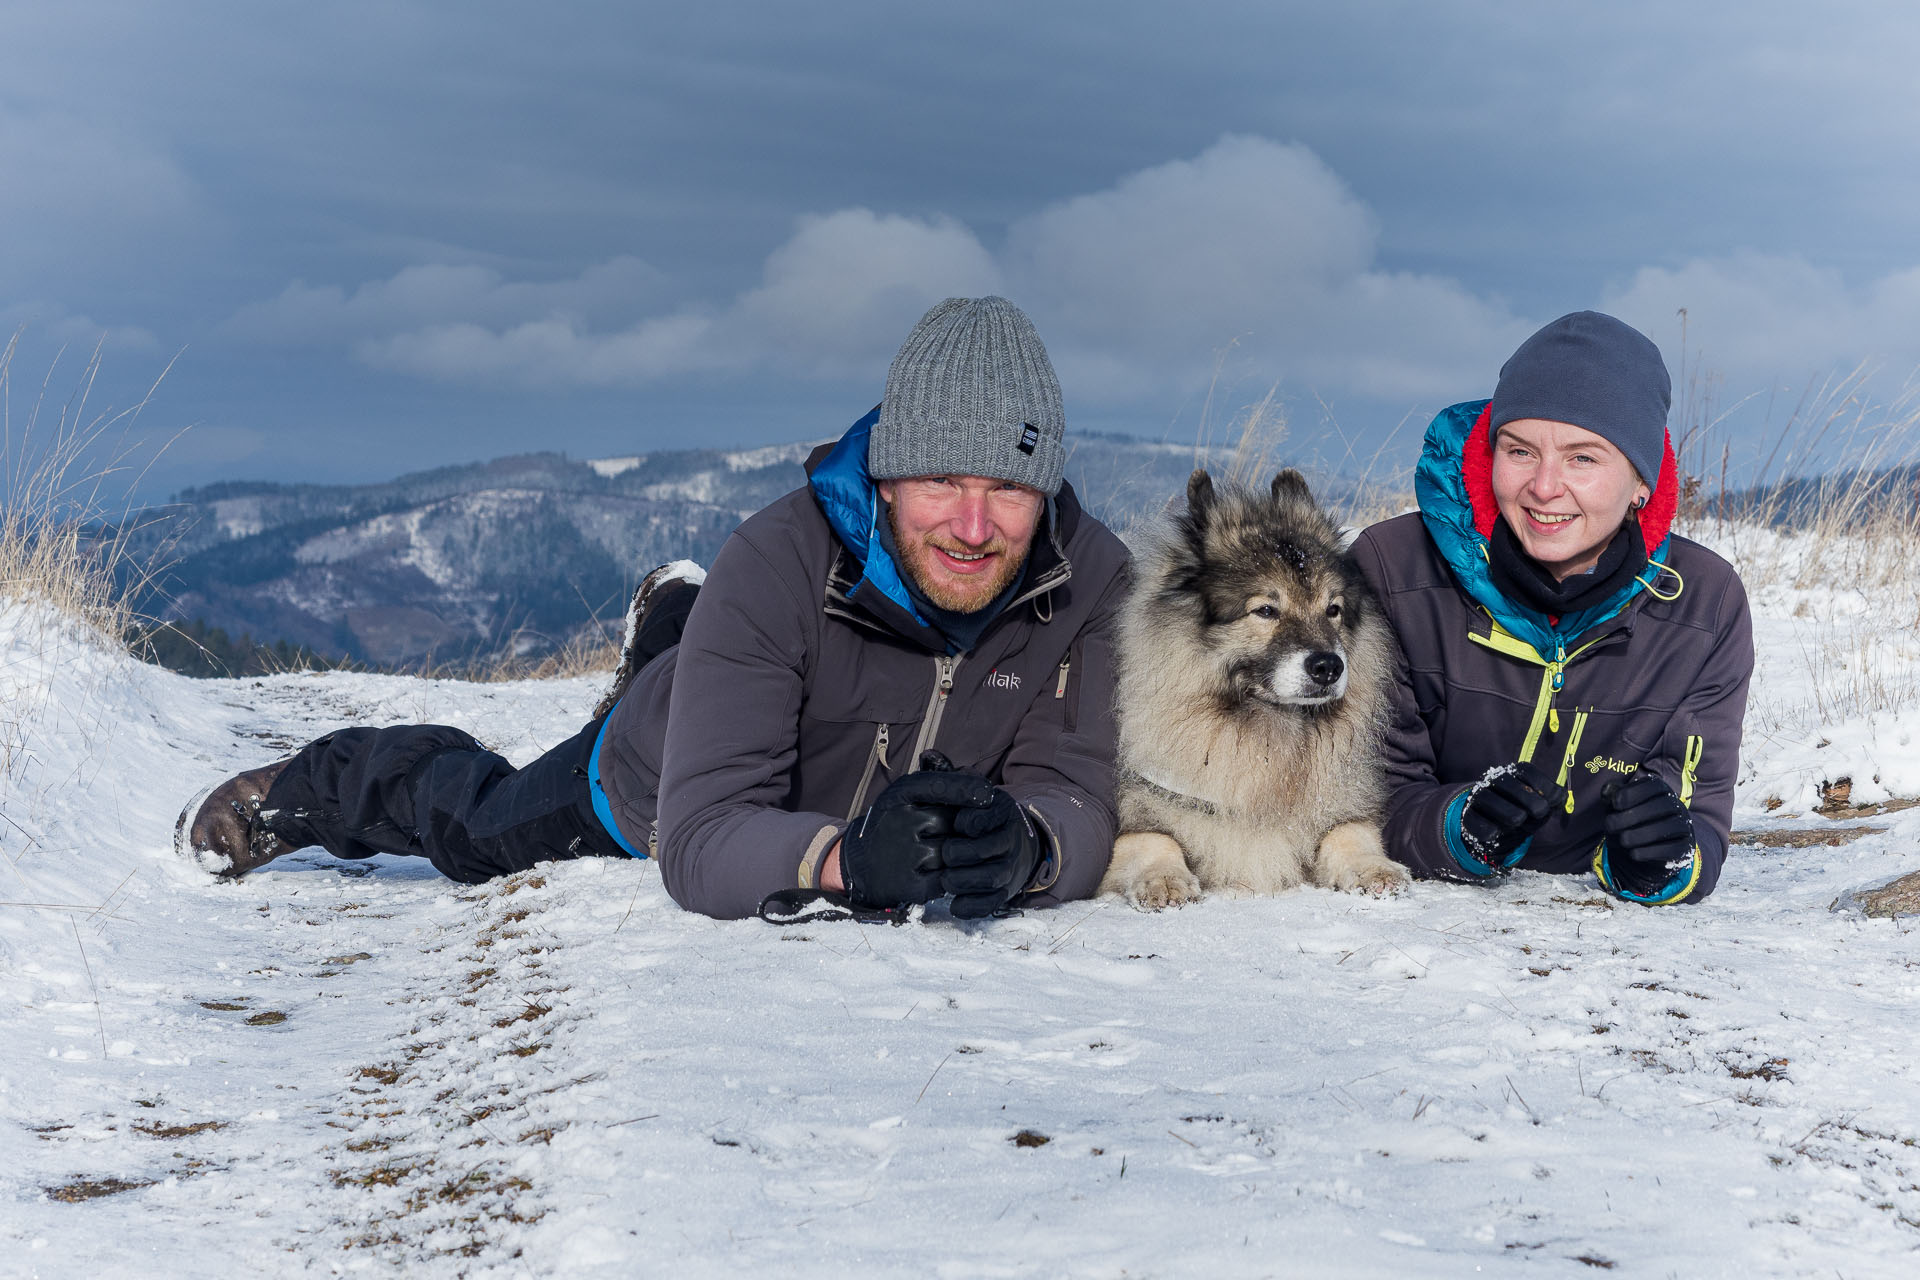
x=433 y=791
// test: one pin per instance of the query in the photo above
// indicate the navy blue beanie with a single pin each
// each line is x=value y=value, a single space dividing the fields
x=1594 y=372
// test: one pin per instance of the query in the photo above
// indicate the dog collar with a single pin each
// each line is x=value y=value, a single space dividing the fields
x=1207 y=807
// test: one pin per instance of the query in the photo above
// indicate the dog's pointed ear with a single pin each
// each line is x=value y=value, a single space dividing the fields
x=1290 y=486
x=1199 y=496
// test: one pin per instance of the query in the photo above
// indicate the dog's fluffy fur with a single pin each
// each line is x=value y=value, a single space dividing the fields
x=1255 y=668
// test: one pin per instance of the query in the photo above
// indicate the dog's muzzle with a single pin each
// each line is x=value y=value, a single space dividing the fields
x=1309 y=679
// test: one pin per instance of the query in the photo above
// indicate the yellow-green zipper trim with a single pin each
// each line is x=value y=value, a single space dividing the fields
x=1552 y=680
x=1696 y=748
x=1573 y=749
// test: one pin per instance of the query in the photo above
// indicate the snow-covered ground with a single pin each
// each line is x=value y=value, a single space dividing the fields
x=333 y=1067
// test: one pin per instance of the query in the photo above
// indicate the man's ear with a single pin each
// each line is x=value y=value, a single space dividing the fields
x=885 y=488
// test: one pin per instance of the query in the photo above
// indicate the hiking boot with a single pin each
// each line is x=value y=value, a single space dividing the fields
x=655 y=619
x=223 y=829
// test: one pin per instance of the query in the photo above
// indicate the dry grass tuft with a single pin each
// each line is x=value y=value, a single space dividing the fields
x=55 y=480
x=1260 y=432
x=1829 y=527
x=591 y=650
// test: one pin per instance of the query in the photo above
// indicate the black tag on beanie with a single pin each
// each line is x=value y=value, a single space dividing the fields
x=1029 y=438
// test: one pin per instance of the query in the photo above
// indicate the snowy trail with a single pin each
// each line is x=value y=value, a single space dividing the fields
x=357 y=1067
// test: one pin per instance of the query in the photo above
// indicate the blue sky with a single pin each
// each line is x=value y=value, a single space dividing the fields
x=377 y=237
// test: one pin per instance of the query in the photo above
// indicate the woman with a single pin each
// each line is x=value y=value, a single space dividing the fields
x=1572 y=675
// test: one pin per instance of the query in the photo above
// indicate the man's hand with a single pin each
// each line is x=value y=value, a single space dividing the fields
x=991 y=857
x=1505 y=808
x=891 y=855
x=1649 y=832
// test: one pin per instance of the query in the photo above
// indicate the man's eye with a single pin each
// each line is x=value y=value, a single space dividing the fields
x=1267 y=611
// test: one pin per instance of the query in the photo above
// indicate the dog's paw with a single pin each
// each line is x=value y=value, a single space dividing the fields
x=1164 y=888
x=1352 y=860
x=1149 y=870
x=1381 y=879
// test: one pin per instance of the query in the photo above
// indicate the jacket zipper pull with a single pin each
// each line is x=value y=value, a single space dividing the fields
x=1060 y=685
x=880 y=746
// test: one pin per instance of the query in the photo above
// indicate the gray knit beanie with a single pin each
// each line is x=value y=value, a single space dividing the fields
x=1595 y=372
x=971 y=393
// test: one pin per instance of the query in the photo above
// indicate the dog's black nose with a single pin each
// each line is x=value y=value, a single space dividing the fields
x=1324 y=668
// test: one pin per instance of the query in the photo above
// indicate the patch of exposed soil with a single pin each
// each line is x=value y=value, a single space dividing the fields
x=93 y=1188
x=178 y=1130
x=1836 y=801
x=1804 y=837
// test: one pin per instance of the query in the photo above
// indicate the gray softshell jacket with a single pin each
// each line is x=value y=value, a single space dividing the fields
x=801 y=688
x=1661 y=683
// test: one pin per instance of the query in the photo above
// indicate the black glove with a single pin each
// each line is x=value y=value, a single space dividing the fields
x=1505 y=808
x=1649 y=832
x=991 y=857
x=891 y=856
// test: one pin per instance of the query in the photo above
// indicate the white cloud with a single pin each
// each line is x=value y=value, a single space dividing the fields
x=47 y=321
x=436 y=294
x=1758 y=319
x=551 y=352
x=1253 y=258
x=847 y=287
x=1253 y=245
x=835 y=299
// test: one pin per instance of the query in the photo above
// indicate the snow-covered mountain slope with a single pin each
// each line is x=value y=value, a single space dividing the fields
x=364 y=1068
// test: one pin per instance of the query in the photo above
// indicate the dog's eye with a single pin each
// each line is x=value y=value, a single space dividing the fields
x=1333 y=610
x=1267 y=611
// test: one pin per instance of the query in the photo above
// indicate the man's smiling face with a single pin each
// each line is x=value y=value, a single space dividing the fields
x=963 y=538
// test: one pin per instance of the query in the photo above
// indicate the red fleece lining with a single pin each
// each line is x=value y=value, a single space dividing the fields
x=1476 y=464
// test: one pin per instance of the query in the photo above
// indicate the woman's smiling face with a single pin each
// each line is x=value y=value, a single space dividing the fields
x=1563 y=490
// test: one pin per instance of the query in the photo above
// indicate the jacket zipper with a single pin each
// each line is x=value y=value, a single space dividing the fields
x=943 y=668
x=1552 y=680
x=1696 y=748
x=1062 y=687
x=1567 y=761
x=877 y=758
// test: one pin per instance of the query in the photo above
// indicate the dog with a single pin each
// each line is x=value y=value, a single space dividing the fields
x=1255 y=670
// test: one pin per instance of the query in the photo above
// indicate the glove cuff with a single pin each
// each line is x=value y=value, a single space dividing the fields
x=1454 y=836
x=1678 y=885
x=1049 y=869
x=816 y=853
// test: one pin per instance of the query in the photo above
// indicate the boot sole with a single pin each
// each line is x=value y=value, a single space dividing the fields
x=183 y=848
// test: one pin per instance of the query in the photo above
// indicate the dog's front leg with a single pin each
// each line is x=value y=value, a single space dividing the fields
x=1351 y=858
x=1150 y=871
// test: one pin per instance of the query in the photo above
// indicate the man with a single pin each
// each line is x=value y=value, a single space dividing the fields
x=895 y=685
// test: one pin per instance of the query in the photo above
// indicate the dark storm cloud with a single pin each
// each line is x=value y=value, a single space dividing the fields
x=390 y=234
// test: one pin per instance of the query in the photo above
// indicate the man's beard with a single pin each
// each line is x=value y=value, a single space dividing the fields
x=953 y=592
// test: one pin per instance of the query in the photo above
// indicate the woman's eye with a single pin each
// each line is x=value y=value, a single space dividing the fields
x=1333 y=610
x=1267 y=611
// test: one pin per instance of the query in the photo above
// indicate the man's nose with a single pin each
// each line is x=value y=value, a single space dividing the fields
x=971 y=523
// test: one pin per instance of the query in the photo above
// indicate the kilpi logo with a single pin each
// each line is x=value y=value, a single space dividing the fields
x=1029 y=437
x=1611 y=765
x=998 y=679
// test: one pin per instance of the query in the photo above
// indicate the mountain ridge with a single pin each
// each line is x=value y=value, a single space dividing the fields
x=510 y=555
